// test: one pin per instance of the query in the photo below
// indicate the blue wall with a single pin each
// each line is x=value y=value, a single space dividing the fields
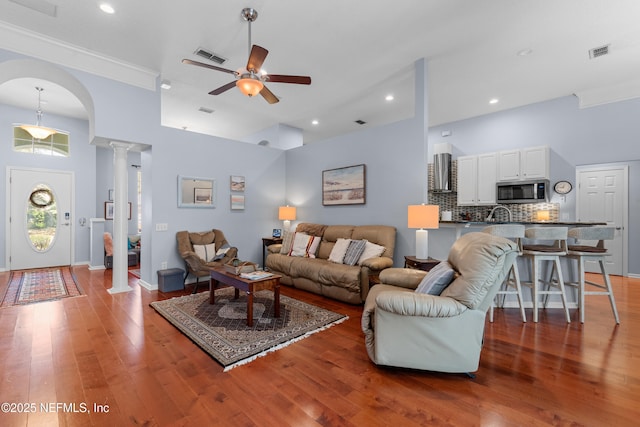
x=394 y=156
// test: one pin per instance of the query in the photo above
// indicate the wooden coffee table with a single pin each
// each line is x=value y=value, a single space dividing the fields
x=248 y=286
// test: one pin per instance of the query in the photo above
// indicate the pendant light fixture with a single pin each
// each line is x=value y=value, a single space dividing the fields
x=37 y=131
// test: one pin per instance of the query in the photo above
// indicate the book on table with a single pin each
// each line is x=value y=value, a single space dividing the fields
x=256 y=275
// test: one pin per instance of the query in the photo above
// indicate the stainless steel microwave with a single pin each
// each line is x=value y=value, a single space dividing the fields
x=523 y=191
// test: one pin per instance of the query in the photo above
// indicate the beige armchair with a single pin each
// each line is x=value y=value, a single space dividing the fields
x=209 y=243
x=442 y=333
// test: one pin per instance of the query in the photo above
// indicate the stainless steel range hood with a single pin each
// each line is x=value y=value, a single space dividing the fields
x=442 y=168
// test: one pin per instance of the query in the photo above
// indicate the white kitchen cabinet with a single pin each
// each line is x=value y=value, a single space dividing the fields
x=523 y=164
x=477 y=179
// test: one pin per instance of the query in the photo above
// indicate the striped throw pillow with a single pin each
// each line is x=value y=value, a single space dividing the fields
x=437 y=279
x=354 y=251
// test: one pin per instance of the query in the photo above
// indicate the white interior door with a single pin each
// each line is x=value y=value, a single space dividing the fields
x=602 y=197
x=40 y=218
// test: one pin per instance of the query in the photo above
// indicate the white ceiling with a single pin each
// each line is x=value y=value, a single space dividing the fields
x=356 y=53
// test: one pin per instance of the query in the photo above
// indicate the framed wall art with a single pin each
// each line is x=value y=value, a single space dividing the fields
x=237 y=183
x=237 y=202
x=344 y=186
x=109 y=209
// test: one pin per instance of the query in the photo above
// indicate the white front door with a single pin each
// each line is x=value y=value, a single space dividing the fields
x=40 y=218
x=602 y=197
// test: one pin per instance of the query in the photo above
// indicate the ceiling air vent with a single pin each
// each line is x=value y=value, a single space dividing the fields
x=205 y=110
x=210 y=56
x=598 y=51
x=360 y=122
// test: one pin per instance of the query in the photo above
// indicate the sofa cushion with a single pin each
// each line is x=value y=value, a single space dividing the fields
x=287 y=242
x=370 y=250
x=338 y=251
x=304 y=245
x=437 y=279
x=354 y=251
x=311 y=229
x=479 y=258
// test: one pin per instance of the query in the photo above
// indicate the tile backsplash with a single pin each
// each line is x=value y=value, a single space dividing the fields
x=548 y=212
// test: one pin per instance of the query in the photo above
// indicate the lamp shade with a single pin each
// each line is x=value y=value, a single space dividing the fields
x=38 y=132
x=250 y=86
x=287 y=213
x=423 y=216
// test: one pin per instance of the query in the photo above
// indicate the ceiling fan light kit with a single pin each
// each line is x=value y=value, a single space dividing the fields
x=250 y=85
x=250 y=80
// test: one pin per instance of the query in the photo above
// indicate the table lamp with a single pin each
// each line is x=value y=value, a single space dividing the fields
x=286 y=214
x=421 y=217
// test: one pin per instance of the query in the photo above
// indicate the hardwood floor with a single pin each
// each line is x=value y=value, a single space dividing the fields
x=117 y=353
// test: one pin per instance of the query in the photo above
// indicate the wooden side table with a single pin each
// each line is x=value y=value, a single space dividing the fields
x=411 y=261
x=268 y=241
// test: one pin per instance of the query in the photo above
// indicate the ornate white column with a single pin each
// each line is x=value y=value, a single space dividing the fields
x=120 y=217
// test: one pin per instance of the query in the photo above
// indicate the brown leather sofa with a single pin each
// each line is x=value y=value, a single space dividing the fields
x=348 y=283
x=195 y=264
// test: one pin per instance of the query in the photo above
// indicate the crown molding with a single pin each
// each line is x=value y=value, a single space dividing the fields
x=26 y=42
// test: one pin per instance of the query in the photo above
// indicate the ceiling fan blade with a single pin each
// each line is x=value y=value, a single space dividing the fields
x=211 y=67
x=222 y=89
x=281 y=78
x=269 y=96
x=256 y=58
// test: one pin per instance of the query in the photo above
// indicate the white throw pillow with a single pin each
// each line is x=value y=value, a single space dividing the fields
x=437 y=279
x=304 y=245
x=371 y=250
x=338 y=251
x=206 y=252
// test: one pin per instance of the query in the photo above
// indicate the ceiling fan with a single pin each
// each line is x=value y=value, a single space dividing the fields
x=250 y=80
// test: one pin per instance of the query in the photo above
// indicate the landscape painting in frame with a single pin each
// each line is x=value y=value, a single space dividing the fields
x=237 y=183
x=344 y=186
x=237 y=202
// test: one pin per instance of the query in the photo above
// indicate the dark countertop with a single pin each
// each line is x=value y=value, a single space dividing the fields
x=560 y=223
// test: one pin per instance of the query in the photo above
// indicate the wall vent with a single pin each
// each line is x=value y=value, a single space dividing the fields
x=205 y=110
x=204 y=53
x=360 y=122
x=598 y=51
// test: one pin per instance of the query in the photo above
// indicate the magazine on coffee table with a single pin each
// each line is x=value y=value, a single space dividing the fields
x=256 y=275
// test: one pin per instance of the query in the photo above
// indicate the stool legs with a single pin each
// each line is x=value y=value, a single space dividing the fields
x=537 y=282
x=512 y=280
x=582 y=282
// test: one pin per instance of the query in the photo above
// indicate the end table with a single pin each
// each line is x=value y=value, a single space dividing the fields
x=410 y=261
x=268 y=241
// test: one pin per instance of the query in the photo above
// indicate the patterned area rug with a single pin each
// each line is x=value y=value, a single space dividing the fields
x=221 y=329
x=39 y=285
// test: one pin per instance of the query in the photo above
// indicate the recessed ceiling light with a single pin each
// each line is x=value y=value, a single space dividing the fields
x=166 y=84
x=525 y=52
x=389 y=98
x=493 y=101
x=314 y=122
x=107 y=8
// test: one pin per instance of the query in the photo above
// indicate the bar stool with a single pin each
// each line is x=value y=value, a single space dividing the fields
x=538 y=253
x=514 y=232
x=582 y=253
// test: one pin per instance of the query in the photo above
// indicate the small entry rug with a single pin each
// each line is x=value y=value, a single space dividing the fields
x=39 y=285
x=221 y=329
